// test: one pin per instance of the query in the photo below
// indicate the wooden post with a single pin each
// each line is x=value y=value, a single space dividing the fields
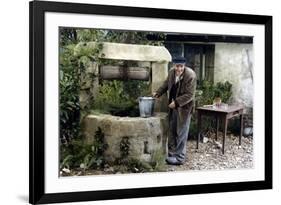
x=217 y=124
x=241 y=128
x=198 y=128
x=159 y=71
x=225 y=132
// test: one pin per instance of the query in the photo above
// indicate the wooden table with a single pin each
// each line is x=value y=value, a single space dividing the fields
x=223 y=113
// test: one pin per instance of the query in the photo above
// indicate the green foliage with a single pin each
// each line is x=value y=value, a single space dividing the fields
x=72 y=67
x=67 y=36
x=223 y=90
x=136 y=88
x=88 y=161
x=111 y=92
x=133 y=37
x=87 y=35
x=69 y=98
x=120 y=98
x=66 y=162
x=87 y=54
x=132 y=165
x=209 y=91
x=137 y=166
x=78 y=154
x=73 y=153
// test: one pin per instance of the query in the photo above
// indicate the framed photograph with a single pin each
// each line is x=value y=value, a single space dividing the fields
x=129 y=102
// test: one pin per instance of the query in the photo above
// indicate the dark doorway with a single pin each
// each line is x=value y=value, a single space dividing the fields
x=200 y=57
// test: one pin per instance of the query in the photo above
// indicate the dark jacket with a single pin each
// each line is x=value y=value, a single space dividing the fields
x=185 y=92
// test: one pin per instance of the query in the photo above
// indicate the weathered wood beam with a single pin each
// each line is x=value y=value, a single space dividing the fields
x=123 y=73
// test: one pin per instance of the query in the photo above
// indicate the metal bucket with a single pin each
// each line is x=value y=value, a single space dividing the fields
x=146 y=106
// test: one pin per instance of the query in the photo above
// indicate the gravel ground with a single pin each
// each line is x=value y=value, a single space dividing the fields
x=209 y=155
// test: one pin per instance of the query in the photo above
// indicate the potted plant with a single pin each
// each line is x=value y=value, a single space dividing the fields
x=217 y=97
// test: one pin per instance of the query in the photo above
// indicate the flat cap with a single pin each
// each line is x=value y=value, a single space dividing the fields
x=179 y=59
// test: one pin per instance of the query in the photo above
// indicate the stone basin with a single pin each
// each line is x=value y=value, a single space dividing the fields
x=145 y=135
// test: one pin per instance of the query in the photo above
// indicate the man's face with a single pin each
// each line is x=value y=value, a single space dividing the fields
x=179 y=67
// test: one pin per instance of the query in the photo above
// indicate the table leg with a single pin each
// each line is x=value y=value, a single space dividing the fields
x=198 y=128
x=224 y=135
x=241 y=128
x=217 y=123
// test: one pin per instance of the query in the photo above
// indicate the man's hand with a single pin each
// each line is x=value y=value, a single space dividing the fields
x=155 y=95
x=172 y=105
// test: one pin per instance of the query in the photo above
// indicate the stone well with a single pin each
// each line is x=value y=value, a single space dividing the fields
x=145 y=135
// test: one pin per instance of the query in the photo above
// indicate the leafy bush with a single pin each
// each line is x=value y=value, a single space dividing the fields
x=69 y=95
x=208 y=91
x=110 y=92
x=78 y=154
x=73 y=154
x=71 y=68
x=120 y=97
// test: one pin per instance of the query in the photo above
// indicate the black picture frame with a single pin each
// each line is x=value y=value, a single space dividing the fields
x=37 y=10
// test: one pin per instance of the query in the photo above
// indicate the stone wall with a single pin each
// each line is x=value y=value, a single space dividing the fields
x=89 y=85
x=159 y=75
x=146 y=136
x=234 y=63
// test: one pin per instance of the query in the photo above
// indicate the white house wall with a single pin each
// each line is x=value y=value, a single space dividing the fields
x=233 y=63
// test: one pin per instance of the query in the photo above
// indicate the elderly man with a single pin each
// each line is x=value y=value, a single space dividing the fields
x=181 y=85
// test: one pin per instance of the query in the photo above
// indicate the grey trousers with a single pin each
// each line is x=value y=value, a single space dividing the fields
x=178 y=135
